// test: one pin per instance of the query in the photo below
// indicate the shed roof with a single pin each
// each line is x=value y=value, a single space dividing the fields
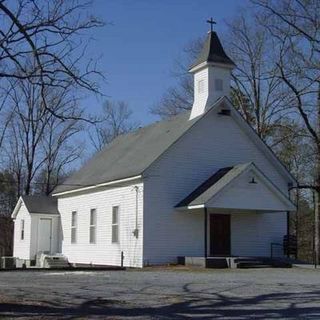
x=41 y=204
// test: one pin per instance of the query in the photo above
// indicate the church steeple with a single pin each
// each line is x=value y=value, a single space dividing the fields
x=212 y=51
x=212 y=74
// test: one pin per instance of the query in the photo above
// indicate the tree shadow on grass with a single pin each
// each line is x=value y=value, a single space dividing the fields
x=287 y=305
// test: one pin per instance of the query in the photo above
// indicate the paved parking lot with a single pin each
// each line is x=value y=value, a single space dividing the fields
x=161 y=294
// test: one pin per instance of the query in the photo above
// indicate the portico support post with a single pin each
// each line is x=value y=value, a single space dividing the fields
x=205 y=232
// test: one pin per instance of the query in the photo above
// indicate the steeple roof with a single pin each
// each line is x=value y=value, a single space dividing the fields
x=212 y=51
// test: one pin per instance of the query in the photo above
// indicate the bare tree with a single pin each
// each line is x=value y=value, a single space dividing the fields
x=37 y=143
x=8 y=195
x=6 y=114
x=295 y=28
x=50 y=33
x=116 y=119
x=8 y=198
x=58 y=146
x=257 y=91
x=179 y=98
x=26 y=131
x=6 y=239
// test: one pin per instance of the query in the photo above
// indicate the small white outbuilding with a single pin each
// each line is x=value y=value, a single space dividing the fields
x=36 y=227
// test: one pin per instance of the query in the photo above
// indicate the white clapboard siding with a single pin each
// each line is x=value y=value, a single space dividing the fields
x=21 y=248
x=214 y=142
x=103 y=252
x=205 y=91
x=252 y=233
x=223 y=75
x=200 y=94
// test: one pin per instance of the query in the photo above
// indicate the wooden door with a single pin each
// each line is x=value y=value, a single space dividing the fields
x=219 y=234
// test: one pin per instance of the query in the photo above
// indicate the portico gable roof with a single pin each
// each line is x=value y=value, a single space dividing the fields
x=243 y=187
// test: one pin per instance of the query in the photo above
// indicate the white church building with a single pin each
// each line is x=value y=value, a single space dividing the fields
x=199 y=184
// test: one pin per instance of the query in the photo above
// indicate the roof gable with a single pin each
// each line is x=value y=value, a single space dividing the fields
x=37 y=204
x=224 y=108
x=267 y=151
x=243 y=187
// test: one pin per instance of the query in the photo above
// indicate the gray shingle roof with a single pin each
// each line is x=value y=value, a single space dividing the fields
x=212 y=51
x=41 y=204
x=213 y=185
x=130 y=154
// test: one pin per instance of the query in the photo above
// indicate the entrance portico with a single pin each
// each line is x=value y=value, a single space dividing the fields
x=237 y=203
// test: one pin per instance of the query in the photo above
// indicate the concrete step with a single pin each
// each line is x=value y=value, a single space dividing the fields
x=253 y=259
x=56 y=262
x=254 y=262
x=216 y=263
x=235 y=262
x=242 y=265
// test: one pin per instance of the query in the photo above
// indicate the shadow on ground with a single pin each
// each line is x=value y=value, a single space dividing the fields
x=289 y=305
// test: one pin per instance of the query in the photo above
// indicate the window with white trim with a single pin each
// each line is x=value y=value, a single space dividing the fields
x=22 y=229
x=115 y=224
x=74 y=226
x=93 y=225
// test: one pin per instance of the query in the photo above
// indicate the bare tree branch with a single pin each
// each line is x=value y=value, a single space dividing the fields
x=47 y=33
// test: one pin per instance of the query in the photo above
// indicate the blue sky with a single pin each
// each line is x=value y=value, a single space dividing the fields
x=138 y=48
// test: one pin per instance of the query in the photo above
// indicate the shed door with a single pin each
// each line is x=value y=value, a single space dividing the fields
x=44 y=235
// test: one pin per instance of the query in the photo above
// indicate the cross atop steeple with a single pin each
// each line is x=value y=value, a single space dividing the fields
x=211 y=22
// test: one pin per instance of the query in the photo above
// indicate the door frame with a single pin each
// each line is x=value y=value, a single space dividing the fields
x=209 y=234
x=50 y=219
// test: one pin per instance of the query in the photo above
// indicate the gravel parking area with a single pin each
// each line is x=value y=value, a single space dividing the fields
x=161 y=293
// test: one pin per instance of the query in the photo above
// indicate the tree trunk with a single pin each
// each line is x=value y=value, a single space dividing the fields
x=317 y=191
x=316 y=227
